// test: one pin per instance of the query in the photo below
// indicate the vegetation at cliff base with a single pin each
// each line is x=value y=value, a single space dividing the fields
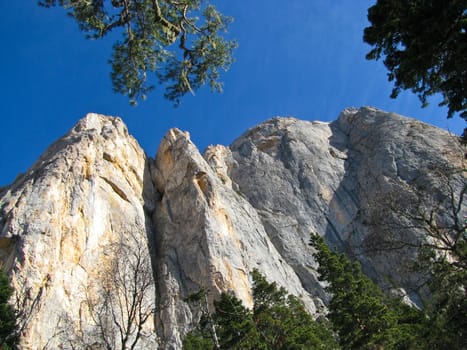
x=8 y=326
x=365 y=318
x=438 y=217
x=277 y=321
x=362 y=315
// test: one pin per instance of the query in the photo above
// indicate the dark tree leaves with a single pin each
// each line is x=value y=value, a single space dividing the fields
x=359 y=311
x=278 y=321
x=8 y=325
x=424 y=45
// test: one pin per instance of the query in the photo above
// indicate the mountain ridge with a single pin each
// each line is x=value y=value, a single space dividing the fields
x=207 y=220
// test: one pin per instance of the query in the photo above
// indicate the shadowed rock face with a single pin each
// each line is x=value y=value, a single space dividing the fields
x=206 y=221
x=338 y=179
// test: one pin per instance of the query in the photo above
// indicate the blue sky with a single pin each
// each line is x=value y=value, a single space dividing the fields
x=304 y=59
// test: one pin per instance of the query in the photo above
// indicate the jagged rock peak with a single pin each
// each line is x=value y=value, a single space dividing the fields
x=94 y=121
x=87 y=194
x=208 y=235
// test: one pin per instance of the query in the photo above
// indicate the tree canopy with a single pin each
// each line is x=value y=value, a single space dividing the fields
x=365 y=318
x=424 y=45
x=8 y=325
x=277 y=321
x=151 y=30
x=362 y=315
x=438 y=219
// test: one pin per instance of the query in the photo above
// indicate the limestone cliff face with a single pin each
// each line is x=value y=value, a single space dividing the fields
x=206 y=221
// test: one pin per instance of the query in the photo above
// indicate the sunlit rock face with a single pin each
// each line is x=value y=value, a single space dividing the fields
x=208 y=235
x=87 y=191
x=205 y=221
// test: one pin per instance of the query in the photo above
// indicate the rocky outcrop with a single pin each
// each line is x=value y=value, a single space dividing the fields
x=208 y=235
x=338 y=179
x=89 y=191
x=206 y=221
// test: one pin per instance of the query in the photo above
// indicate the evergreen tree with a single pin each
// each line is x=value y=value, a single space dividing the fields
x=424 y=45
x=447 y=309
x=442 y=253
x=277 y=322
x=197 y=340
x=149 y=30
x=360 y=312
x=235 y=325
x=8 y=328
x=283 y=322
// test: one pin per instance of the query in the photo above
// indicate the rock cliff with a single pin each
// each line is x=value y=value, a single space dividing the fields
x=94 y=214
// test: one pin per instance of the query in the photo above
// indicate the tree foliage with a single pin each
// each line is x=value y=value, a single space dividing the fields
x=283 y=322
x=277 y=321
x=359 y=311
x=431 y=219
x=424 y=45
x=150 y=30
x=8 y=325
x=444 y=255
x=448 y=307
